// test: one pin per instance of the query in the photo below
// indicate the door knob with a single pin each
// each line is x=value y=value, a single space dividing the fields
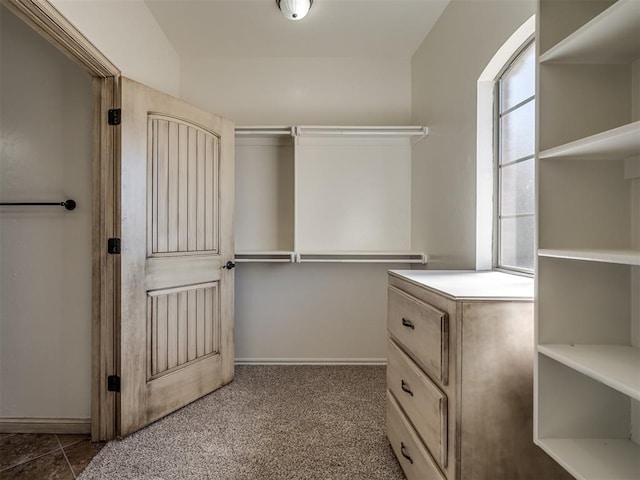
x=229 y=265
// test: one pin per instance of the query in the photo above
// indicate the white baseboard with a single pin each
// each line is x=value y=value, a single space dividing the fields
x=45 y=425
x=310 y=361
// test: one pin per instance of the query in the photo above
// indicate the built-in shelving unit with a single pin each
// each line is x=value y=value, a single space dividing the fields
x=587 y=385
x=324 y=194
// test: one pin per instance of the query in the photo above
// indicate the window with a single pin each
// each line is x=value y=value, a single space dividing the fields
x=515 y=163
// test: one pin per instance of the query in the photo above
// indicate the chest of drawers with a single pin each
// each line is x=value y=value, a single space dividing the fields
x=460 y=377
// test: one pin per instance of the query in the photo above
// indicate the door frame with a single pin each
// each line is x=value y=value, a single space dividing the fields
x=49 y=23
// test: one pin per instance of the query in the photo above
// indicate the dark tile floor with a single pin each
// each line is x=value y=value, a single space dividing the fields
x=45 y=456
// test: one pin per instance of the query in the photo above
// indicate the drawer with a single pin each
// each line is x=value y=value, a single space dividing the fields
x=413 y=457
x=422 y=401
x=422 y=330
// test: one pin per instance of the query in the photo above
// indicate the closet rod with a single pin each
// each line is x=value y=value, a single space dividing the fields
x=68 y=204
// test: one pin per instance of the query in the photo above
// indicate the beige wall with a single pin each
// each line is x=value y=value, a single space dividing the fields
x=128 y=35
x=303 y=312
x=45 y=252
x=301 y=91
x=445 y=71
x=306 y=312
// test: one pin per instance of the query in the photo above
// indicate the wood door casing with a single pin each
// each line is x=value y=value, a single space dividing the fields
x=177 y=233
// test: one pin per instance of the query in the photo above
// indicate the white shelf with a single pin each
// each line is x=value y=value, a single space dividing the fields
x=332 y=131
x=264 y=257
x=611 y=37
x=262 y=131
x=617 y=366
x=361 y=257
x=363 y=131
x=595 y=459
x=623 y=257
x=329 y=257
x=616 y=144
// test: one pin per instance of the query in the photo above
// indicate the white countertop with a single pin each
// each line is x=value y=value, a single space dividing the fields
x=470 y=284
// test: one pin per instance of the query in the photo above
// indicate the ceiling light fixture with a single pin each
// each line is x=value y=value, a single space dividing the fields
x=294 y=9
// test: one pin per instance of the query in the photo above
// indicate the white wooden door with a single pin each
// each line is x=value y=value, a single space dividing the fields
x=176 y=328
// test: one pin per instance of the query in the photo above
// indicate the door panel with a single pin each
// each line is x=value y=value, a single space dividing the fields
x=183 y=326
x=176 y=299
x=182 y=187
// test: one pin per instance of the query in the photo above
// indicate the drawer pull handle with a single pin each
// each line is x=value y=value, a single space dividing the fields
x=403 y=451
x=405 y=387
x=408 y=324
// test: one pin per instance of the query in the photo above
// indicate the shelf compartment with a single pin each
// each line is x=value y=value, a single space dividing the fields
x=611 y=37
x=591 y=459
x=352 y=194
x=361 y=257
x=617 y=366
x=265 y=257
x=616 y=144
x=264 y=194
x=621 y=257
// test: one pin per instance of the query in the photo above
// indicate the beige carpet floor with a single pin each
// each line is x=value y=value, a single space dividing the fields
x=271 y=423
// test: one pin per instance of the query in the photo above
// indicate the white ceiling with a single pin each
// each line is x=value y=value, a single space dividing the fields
x=333 y=28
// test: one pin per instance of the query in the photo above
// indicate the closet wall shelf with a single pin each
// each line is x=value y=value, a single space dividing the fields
x=611 y=37
x=361 y=257
x=265 y=257
x=330 y=257
x=591 y=459
x=269 y=131
x=350 y=131
x=616 y=144
x=293 y=182
x=617 y=366
x=333 y=131
x=623 y=257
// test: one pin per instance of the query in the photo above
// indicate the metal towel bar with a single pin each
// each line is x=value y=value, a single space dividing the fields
x=68 y=204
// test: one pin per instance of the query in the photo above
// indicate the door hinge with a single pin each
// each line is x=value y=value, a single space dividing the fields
x=113 y=246
x=113 y=383
x=114 y=116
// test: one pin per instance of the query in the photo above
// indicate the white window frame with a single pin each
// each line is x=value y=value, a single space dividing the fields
x=485 y=143
x=497 y=236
